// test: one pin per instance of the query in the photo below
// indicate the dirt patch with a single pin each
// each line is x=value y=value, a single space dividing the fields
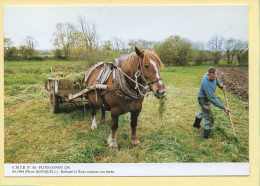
x=236 y=80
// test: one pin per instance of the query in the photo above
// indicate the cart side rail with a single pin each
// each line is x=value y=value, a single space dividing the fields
x=52 y=85
x=84 y=91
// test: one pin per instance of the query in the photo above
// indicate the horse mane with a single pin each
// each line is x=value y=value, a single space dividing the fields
x=132 y=60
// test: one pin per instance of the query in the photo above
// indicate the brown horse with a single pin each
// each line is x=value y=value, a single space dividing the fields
x=148 y=64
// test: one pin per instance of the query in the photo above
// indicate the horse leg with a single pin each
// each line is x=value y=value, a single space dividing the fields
x=114 y=125
x=134 y=139
x=103 y=116
x=93 y=114
x=129 y=116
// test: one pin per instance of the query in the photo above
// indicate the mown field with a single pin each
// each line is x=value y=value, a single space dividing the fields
x=35 y=135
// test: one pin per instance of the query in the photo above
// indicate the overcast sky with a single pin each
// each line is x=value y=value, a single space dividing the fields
x=156 y=23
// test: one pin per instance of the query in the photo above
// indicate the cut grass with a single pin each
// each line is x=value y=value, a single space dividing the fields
x=35 y=135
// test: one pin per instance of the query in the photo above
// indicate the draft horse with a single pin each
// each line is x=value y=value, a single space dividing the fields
x=141 y=71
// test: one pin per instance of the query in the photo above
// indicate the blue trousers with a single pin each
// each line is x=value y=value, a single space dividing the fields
x=206 y=113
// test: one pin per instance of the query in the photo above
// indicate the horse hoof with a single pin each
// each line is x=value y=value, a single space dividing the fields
x=112 y=142
x=135 y=142
x=93 y=127
x=109 y=140
x=113 y=145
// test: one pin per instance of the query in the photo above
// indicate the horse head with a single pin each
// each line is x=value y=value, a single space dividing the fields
x=150 y=64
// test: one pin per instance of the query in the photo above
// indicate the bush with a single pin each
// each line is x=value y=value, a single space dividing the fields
x=37 y=58
x=58 y=54
x=200 y=58
x=174 y=51
x=11 y=53
x=242 y=58
x=27 y=53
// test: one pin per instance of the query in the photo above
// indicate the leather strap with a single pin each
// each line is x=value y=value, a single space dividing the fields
x=142 y=74
x=89 y=71
x=153 y=81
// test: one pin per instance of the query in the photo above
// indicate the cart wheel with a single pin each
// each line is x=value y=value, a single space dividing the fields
x=54 y=103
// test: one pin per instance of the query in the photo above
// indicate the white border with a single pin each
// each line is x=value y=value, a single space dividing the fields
x=126 y=169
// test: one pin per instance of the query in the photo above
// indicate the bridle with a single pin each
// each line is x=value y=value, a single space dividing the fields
x=149 y=82
x=139 y=73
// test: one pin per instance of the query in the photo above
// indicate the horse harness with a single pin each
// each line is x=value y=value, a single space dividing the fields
x=119 y=79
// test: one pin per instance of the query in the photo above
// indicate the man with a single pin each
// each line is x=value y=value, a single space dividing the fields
x=206 y=96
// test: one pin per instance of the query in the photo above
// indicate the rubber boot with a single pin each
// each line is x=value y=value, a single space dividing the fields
x=197 y=122
x=206 y=133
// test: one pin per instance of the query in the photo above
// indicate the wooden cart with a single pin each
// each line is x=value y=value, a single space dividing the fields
x=64 y=91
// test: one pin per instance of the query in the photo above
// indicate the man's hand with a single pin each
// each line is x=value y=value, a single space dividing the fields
x=224 y=88
x=226 y=110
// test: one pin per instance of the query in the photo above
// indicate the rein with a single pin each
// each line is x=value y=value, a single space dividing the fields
x=137 y=74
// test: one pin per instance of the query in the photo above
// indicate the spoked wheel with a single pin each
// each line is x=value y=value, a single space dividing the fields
x=54 y=103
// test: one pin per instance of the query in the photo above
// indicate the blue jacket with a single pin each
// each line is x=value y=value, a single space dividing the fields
x=207 y=90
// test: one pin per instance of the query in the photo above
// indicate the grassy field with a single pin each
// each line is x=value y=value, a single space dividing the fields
x=35 y=135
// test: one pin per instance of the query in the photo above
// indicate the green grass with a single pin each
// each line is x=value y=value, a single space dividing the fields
x=33 y=134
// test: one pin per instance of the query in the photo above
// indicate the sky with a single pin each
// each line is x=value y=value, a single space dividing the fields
x=155 y=23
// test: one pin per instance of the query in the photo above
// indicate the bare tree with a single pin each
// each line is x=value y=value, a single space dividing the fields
x=230 y=50
x=144 y=44
x=89 y=34
x=7 y=43
x=64 y=38
x=199 y=55
x=118 y=44
x=216 y=46
x=31 y=43
x=107 y=45
x=88 y=40
x=28 y=48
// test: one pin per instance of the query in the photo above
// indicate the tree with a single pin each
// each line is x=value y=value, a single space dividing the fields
x=27 y=49
x=174 y=50
x=242 y=52
x=64 y=38
x=24 y=52
x=199 y=55
x=141 y=43
x=86 y=45
x=7 y=43
x=58 y=53
x=89 y=34
x=30 y=43
x=107 y=45
x=118 y=44
x=10 y=51
x=230 y=50
x=215 y=45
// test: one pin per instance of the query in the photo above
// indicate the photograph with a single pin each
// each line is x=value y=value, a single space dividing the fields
x=126 y=84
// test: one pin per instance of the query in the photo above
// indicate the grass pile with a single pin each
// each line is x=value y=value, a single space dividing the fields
x=161 y=110
x=76 y=79
x=161 y=107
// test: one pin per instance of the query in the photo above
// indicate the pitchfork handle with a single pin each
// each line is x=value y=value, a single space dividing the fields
x=229 y=114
